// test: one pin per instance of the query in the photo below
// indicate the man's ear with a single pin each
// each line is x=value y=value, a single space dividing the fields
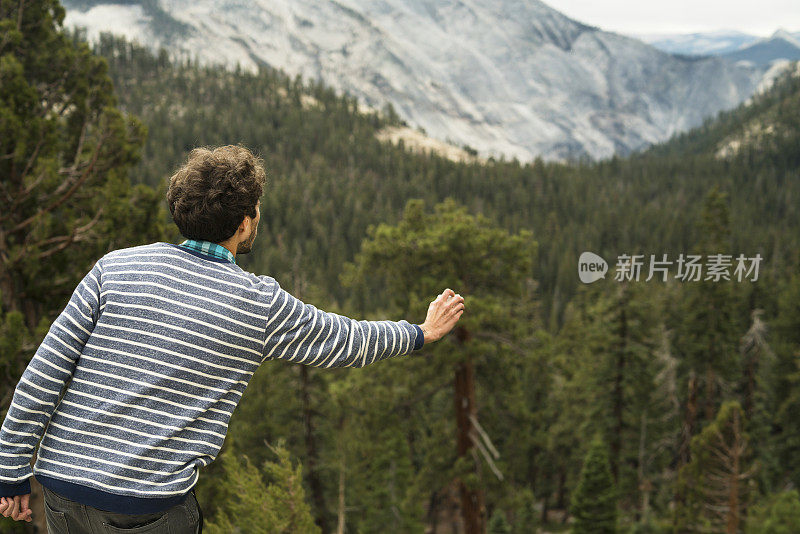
x=245 y=224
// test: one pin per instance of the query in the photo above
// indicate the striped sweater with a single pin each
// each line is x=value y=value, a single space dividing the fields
x=152 y=354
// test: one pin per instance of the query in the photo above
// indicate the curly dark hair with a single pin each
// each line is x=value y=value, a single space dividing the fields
x=211 y=194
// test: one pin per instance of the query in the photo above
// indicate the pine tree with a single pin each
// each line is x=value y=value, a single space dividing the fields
x=606 y=362
x=594 y=502
x=786 y=384
x=65 y=195
x=65 y=154
x=527 y=518
x=266 y=501
x=498 y=523
x=414 y=261
x=777 y=514
x=706 y=334
x=716 y=481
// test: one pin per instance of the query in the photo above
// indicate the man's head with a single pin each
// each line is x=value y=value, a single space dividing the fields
x=213 y=194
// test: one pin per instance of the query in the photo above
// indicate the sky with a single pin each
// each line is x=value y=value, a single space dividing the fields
x=631 y=17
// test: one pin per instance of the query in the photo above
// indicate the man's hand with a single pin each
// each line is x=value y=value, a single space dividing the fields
x=16 y=507
x=443 y=314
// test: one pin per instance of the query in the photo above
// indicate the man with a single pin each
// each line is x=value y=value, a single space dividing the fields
x=132 y=388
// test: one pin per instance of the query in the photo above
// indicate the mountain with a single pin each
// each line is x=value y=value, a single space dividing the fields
x=505 y=77
x=700 y=44
x=765 y=129
x=731 y=45
x=780 y=46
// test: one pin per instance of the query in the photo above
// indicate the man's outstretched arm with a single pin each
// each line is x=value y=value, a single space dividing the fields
x=301 y=333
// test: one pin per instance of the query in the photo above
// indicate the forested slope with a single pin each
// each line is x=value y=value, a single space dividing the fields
x=644 y=366
x=615 y=402
x=330 y=178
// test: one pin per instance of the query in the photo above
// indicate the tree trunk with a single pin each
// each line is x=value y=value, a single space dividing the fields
x=711 y=393
x=687 y=431
x=689 y=422
x=561 y=491
x=341 y=512
x=645 y=486
x=410 y=439
x=545 y=508
x=472 y=505
x=314 y=483
x=616 y=436
x=312 y=455
x=750 y=388
x=8 y=291
x=734 y=508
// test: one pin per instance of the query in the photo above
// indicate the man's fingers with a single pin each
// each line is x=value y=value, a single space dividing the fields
x=453 y=319
x=22 y=516
x=455 y=304
x=14 y=508
x=25 y=510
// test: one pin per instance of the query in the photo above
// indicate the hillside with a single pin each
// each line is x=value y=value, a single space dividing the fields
x=780 y=46
x=510 y=78
x=765 y=128
x=731 y=45
x=331 y=178
x=675 y=381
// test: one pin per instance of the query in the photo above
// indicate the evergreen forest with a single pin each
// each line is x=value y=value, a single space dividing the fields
x=644 y=402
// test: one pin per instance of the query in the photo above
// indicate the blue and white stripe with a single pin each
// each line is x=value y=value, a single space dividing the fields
x=152 y=353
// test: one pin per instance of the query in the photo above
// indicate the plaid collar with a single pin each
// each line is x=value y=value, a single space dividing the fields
x=212 y=249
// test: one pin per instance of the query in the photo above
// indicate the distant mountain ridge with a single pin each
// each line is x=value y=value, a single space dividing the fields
x=732 y=45
x=509 y=78
x=780 y=46
x=701 y=43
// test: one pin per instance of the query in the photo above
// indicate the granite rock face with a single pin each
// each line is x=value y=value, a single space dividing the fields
x=506 y=77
